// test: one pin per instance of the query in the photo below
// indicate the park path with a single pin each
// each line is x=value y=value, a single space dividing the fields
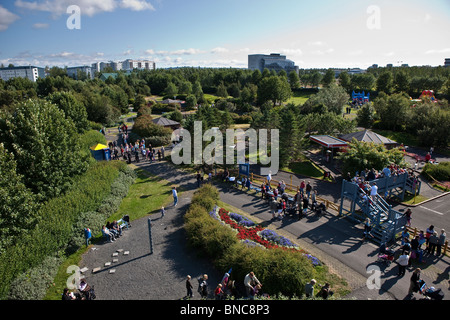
x=161 y=275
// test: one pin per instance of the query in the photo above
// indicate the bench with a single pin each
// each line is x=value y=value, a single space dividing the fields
x=122 y=223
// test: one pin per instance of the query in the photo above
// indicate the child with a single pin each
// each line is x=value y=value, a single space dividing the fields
x=163 y=211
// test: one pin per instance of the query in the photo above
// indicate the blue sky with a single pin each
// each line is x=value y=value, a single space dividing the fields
x=314 y=34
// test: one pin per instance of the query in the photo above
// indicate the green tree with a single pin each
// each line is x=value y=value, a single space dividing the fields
x=294 y=80
x=401 y=82
x=171 y=90
x=289 y=137
x=222 y=90
x=366 y=116
x=328 y=79
x=392 y=110
x=45 y=145
x=18 y=206
x=274 y=89
x=385 y=82
x=345 y=81
x=73 y=109
x=362 y=155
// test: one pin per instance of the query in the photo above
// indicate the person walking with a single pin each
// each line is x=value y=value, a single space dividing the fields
x=408 y=214
x=414 y=284
x=189 y=287
x=203 y=286
x=175 y=196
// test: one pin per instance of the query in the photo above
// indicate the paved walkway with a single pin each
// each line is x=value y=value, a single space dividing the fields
x=161 y=275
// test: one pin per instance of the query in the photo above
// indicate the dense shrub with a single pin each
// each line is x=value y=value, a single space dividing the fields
x=440 y=172
x=57 y=218
x=281 y=271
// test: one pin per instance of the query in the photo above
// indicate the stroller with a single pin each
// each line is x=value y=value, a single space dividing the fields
x=430 y=293
x=385 y=255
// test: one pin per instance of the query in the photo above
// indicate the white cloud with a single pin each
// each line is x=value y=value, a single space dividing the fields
x=6 y=18
x=87 y=7
x=431 y=51
x=136 y=5
x=40 y=26
x=323 y=52
x=219 y=50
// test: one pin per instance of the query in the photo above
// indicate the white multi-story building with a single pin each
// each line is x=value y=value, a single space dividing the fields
x=30 y=72
x=131 y=64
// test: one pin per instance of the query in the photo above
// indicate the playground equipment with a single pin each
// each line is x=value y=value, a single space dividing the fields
x=428 y=94
x=385 y=221
x=360 y=98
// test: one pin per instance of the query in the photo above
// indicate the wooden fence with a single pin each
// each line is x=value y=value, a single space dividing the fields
x=415 y=231
x=290 y=186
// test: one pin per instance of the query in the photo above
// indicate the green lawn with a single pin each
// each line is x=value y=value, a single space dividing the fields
x=305 y=168
x=146 y=196
x=299 y=98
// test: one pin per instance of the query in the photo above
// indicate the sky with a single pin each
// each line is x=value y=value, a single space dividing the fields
x=222 y=33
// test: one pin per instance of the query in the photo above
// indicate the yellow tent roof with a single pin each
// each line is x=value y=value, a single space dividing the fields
x=98 y=146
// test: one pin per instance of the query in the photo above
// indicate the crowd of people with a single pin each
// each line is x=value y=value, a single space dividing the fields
x=139 y=151
x=226 y=289
x=83 y=292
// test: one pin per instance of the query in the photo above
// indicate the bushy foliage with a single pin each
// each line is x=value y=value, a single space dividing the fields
x=281 y=271
x=440 y=172
x=364 y=155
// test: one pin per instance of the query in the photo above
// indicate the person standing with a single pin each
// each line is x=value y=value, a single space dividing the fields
x=441 y=242
x=175 y=196
x=403 y=262
x=433 y=242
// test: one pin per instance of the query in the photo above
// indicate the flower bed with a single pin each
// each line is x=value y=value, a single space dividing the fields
x=253 y=234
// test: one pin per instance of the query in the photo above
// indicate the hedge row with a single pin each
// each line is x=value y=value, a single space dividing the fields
x=440 y=172
x=58 y=217
x=282 y=272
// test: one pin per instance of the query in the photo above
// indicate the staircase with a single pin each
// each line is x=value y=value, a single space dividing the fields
x=385 y=221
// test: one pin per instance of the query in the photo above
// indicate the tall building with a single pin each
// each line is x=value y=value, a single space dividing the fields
x=131 y=64
x=73 y=72
x=447 y=62
x=274 y=61
x=30 y=72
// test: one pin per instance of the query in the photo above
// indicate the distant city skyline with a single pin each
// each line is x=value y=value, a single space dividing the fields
x=200 y=33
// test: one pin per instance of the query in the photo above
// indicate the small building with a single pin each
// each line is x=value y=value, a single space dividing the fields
x=369 y=136
x=167 y=123
x=330 y=145
x=105 y=76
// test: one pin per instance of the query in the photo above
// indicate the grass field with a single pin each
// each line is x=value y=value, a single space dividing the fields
x=299 y=98
x=146 y=196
